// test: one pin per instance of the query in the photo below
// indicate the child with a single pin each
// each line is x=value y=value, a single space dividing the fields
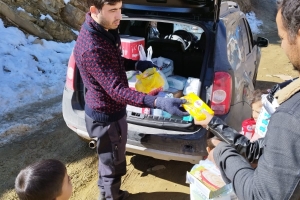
x=210 y=143
x=256 y=108
x=257 y=103
x=44 y=180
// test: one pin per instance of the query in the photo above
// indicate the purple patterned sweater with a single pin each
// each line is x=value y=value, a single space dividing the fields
x=103 y=70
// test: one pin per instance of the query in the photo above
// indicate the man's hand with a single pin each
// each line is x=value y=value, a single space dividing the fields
x=171 y=105
x=205 y=122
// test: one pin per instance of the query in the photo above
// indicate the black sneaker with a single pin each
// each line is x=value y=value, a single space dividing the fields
x=124 y=195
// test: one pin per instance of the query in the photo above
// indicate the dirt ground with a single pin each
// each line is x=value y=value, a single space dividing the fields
x=61 y=143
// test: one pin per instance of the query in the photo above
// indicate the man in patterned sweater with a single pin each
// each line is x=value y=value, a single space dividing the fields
x=98 y=57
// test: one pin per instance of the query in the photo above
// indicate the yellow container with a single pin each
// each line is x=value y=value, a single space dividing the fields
x=195 y=106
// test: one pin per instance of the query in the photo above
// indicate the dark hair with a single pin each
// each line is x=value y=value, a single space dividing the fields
x=42 y=180
x=100 y=3
x=290 y=11
x=209 y=143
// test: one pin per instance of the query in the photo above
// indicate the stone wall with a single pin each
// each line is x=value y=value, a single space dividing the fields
x=55 y=19
x=49 y=19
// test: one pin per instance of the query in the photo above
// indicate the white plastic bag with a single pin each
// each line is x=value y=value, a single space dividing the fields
x=263 y=119
x=166 y=84
x=143 y=54
x=164 y=64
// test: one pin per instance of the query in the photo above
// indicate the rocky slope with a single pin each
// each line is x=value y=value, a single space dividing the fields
x=65 y=16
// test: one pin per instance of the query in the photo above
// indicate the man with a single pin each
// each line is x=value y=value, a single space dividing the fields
x=277 y=175
x=98 y=57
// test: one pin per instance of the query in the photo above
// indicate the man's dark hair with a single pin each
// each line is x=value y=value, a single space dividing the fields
x=290 y=11
x=100 y=3
x=41 y=180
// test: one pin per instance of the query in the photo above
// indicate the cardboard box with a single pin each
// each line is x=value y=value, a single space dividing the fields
x=130 y=46
x=199 y=191
x=196 y=195
x=206 y=183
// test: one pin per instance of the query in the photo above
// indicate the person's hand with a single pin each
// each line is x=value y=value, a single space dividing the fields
x=171 y=105
x=143 y=65
x=204 y=122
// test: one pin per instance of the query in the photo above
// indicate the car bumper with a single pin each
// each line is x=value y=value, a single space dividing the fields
x=180 y=147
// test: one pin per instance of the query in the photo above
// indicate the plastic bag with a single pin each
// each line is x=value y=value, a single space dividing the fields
x=164 y=64
x=166 y=84
x=266 y=111
x=150 y=82
x=143 y=54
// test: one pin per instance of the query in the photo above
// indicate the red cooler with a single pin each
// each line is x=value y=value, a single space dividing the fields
x=130 y=46
x=248 y=128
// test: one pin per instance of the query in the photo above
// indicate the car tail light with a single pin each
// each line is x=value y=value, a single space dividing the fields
x=71 y=73
x=221 y=93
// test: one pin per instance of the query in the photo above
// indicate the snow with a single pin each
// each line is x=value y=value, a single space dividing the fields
x=20 y=9
x=66 y=1
x=74 y=31
x=46 y=16
x=254 y=23
x=31 y=70
x=34 y=70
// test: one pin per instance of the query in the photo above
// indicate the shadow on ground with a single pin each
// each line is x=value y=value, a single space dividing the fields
x=173 y=171
x=159 y=196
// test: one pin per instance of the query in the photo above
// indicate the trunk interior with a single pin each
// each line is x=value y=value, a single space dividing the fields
x=187 y=63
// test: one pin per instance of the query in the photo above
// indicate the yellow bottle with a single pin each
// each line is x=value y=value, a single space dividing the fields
x=195 y=106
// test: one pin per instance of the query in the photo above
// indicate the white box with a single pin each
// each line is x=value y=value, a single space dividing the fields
x=198 y=191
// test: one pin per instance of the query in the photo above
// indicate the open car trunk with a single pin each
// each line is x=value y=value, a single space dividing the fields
x=186 y=54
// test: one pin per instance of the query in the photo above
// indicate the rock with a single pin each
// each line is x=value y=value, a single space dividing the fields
x=59 y=31
x=245 y=5
x=66 y=16
x=26 y=16
x=25 y=24
x=73 y=16
x=52 y=6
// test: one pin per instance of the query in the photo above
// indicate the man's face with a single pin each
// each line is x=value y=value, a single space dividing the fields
x=109 y=16
x=292 y=50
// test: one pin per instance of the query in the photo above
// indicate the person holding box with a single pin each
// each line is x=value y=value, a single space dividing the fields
x=277 y=173
x=98 y=56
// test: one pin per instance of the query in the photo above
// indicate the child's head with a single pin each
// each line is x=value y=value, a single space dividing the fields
x=46 y=179
x=209 y=143
x=257 y=103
